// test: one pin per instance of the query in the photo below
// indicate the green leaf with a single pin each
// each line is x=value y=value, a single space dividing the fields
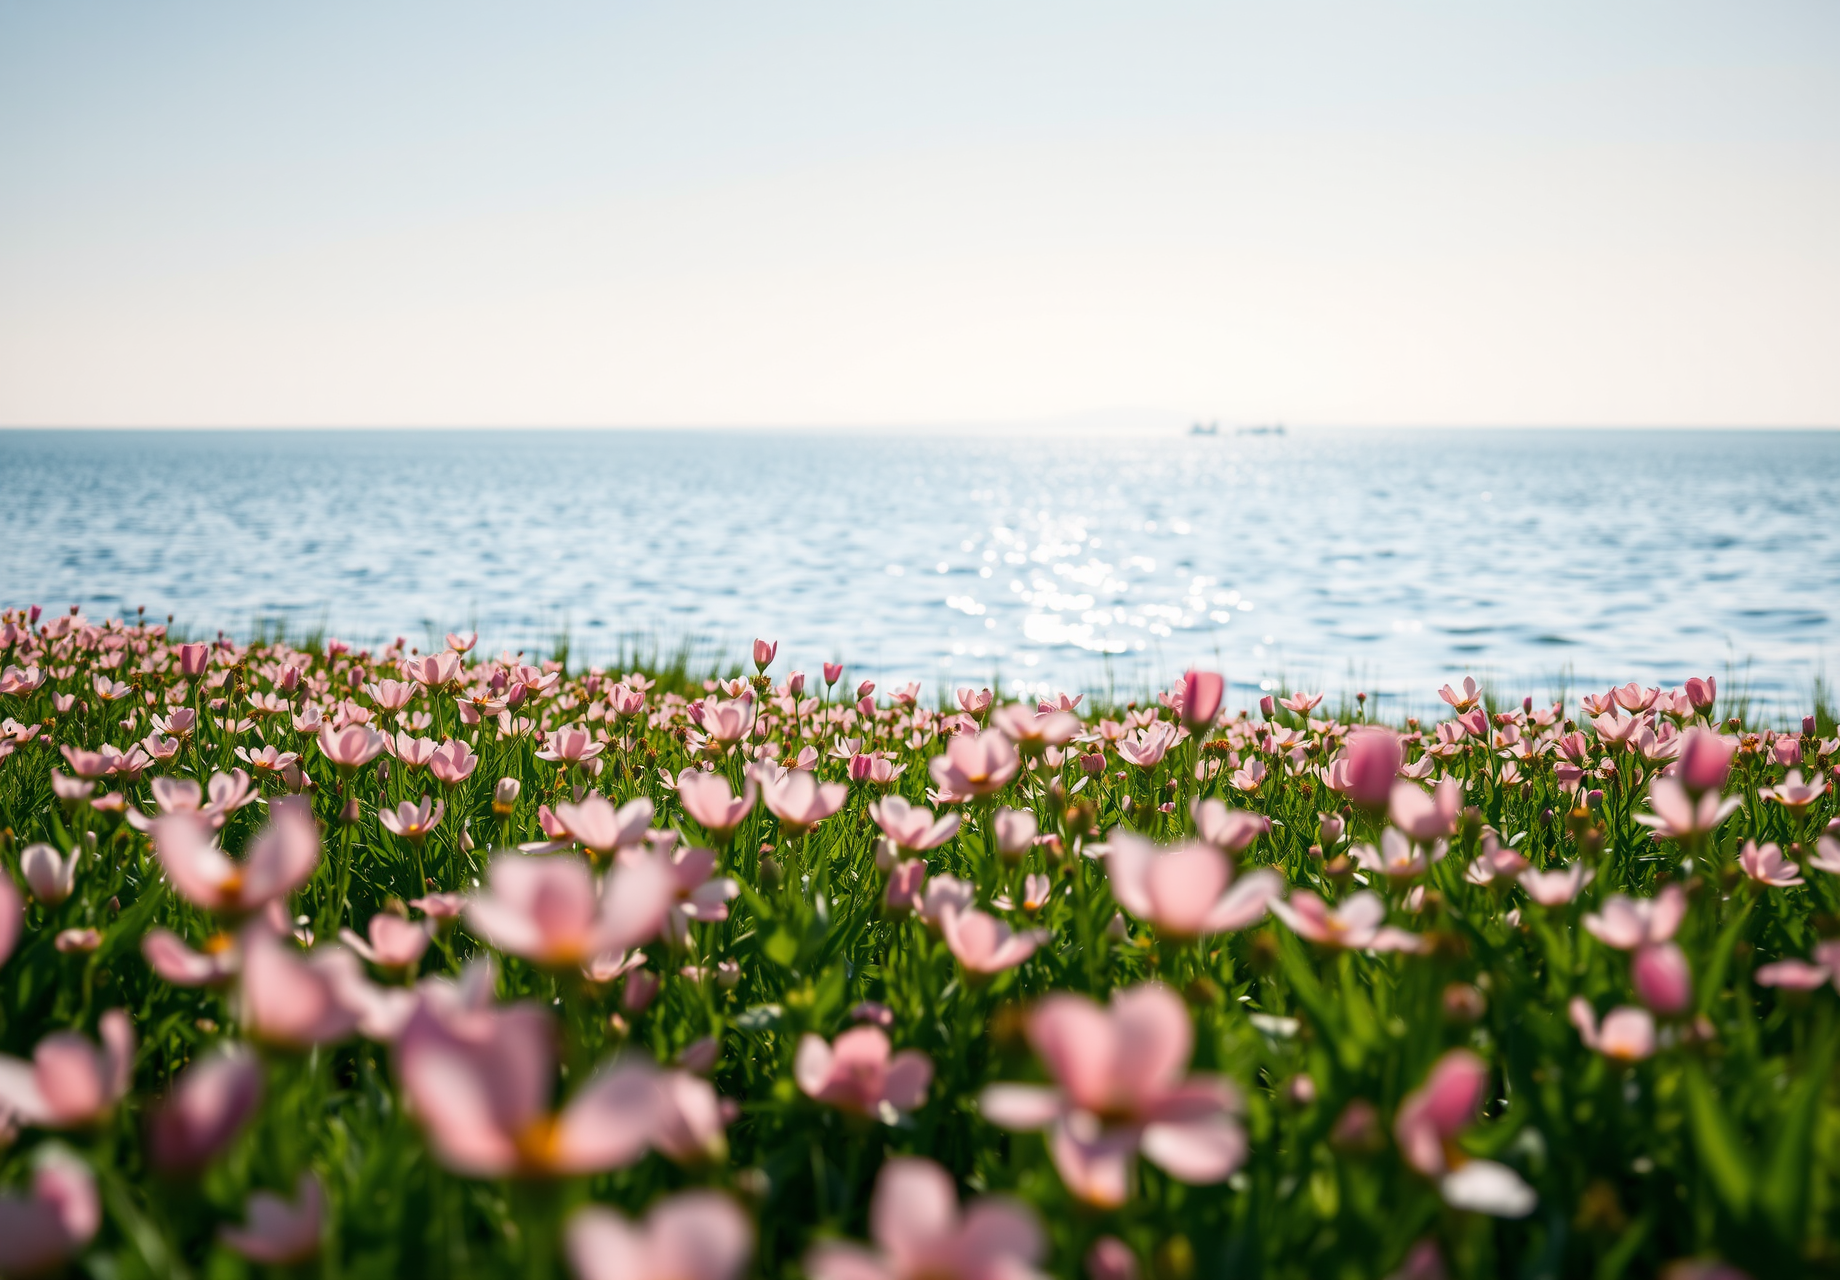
x=1713 y=980
x=782 y=948
x=1783 y=1197
x=1717 y=1143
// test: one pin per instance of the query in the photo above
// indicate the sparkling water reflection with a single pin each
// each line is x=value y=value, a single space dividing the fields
x=1383 y=561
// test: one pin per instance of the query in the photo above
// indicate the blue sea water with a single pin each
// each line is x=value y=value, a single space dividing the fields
x=1384 y=561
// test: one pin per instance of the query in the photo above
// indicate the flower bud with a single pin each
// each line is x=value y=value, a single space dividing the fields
x=505 y=796
x=1661 y=978
x=1111 y=1259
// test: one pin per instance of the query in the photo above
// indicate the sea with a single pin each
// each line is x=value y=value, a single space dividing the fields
x=1543 y=562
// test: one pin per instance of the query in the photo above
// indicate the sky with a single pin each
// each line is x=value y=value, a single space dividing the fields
x=1340 y=212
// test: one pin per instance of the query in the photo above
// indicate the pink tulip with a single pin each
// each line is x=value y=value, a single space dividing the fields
x=712 y=804
x=1357 y=925
x=974 y=701
x=1201 y=694
x=479 y=1082
x=1036 y=890
x=1703 y=762
x=546 y=909
x=1627 y=923
x=279 y=859
x=858 y=1073
x=350 y=748
x=69 y=1083
x=1014 y=830
x=276 y=1232
x=984 y=944
x=764 y=654
x=974 y=766
x=944 y=893
x=411 y=821
x=453 y=762
x=570 y=745
x=910 y=827
x=1678 y=816
x=1232 y=831
x=50 y=876
x=41 y=1231
x=1373 y=757
x=1702 y=693
x=1423 y=817
x=920 y=1234
x=693 y=1235
x=1121 y=1072
x=1661 y=978
x=1147 y=747
x=12 y=915
x=801 y=802
x=287 y=1001
x=1556 y=888
x=727 y=723
x=1185 y=891
x=906 y=882
x=208 y=1106
x=1767 y=865
x=597 y=826
x=1627 y=1034
x=193 y=658
x=391 y=695
x=394 y=943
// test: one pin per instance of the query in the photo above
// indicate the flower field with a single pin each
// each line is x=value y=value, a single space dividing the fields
x=394 y=963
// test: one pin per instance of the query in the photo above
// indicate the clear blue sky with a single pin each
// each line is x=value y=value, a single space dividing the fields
x=1348 y=212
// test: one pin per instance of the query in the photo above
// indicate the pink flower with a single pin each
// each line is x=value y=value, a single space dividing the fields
x=1123 y=1087
x=1185 y=891
x=546 y=909
x=50 y=876
x=41 y=1231
x=479 y=1082
x=1147 y=747
x=801 y=802
x=279 y=859
x=1627 y=1035
x=1014 y=830
x=1661 y=978
x=974 y=766
x=12 y=915
x=693 y=1235
x=436 y=670
x=983 y=943
x=208 y=1106
x=1678 y=815
x=910 y=827
x=287 y=1001
x=178 y=964
x=1111 y=1259
x=688 y=1120
x=453 y=762
x=413 y=822
x=1426 y=817
x=1826 y=858
x=1627 y=923
x=1397 y=856
x=1794 y=794
x=1431 y=1116
x=906 y=880
x=1201 y=694
x=278 y=1233
x=1703 y=761
x=596 y=825
x=352 y=747
x=1798 y=975
x=1373 y=758
x=727 y=723
x=391 y=695
x=915 y=1221
x=1357 y=925
x=1767 y=865
x=712 y=804
x=859 y=1074
x=1229 y=830
x=394 y=943
x=1556 y=888
x=698 y=893
x=1036 y=890
x=69 y=1083
x=1035 y=731
x=1471 y=695
x=570 y=744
